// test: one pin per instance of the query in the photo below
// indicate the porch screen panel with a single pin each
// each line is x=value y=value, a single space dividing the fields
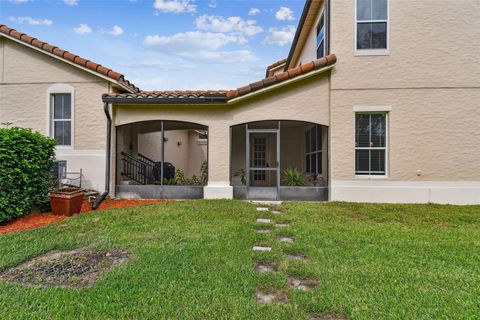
x=313 y=150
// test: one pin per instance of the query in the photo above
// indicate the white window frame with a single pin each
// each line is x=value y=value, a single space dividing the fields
x=372 y=52
x=60 y=88
x=372 y=110
x=322 y=14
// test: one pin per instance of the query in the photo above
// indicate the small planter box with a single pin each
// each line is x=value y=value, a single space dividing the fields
x=66 y=201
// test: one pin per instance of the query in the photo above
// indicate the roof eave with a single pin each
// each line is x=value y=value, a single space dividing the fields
x=301 y=23
x=119 y=83
x=165 y=101
x=281 y=84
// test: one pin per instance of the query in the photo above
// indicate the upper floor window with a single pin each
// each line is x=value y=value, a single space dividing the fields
x=321 y=37
x=372 y=24
x=62 y=118
x=370 y=143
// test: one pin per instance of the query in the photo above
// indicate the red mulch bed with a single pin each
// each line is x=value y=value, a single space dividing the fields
x=36 y=220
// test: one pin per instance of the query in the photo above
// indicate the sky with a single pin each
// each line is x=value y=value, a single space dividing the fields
x=166 y=44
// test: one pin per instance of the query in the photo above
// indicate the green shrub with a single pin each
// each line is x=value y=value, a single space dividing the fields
x=293 y=177
x=25 y=163
x=194 y=180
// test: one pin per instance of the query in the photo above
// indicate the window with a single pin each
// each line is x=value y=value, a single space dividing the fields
x=313 y=150
x=259 y=157
x=61 y=118
x=370 y=143
x=372 y=24
x=321 y=37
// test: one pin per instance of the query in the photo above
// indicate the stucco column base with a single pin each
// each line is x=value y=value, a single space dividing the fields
x=218 y=190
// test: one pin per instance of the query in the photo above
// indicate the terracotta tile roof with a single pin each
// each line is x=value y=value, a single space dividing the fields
x=275 y=68
x=283 y=76
x=68 y=56
x=209 y=96
x=276 y=64
x=176 y=96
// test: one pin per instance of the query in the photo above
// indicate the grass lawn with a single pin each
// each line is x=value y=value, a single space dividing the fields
x=193 y=260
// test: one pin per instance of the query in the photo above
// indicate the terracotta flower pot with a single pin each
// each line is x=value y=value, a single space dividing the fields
x=66 y=201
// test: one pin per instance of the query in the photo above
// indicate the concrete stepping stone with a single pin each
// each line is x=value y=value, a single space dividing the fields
x=262 y=220
x=314 y=316
x=295 y=256
x=261 y=248
x=264 y=297
x=286 y=239
x=262 y=209
x=276 y=212
x=302 y=284
x=281 y=225
x=264 y=267
x=263 y=231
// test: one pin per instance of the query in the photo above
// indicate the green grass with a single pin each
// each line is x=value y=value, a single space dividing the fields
x=193 y=260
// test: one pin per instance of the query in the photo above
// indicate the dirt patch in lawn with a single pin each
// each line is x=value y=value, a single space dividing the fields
x=302 y=284
x=36 y=220
x=269 y=297
x=68 y=269
x=264 y=267
x=314 y=316
x=295 y=256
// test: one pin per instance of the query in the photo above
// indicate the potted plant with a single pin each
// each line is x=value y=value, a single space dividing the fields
x=243 y=176
x=293 y=177
x=66 y=201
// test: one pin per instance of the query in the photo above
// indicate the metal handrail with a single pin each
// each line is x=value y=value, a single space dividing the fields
x=136 y=170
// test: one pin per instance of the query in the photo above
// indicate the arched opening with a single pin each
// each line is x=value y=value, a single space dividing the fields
x=161 y=159
x=279 y=160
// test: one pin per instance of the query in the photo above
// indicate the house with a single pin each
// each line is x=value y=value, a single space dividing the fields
x=377 y=101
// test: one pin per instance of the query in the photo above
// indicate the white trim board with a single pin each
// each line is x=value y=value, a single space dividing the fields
x=372 y=109
x=385 y=191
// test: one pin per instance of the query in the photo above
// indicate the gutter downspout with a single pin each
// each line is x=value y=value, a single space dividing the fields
x=107 y=169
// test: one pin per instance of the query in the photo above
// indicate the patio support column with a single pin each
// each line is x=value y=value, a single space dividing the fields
x=218 y=163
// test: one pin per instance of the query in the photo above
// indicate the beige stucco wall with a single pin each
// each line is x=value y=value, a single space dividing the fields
x=26 y=75
x=431 y=80
x=307 y=100
x=434 y=131
x=431 y=44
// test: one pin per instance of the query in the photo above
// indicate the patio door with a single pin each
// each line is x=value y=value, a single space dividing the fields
x=263 y=163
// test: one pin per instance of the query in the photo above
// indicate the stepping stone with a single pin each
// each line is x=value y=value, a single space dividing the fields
x=264 y=267
x=263 y=230
x=314 y=316
x=302 y=284
x=261 y=248
x=262 y=220
x=263 y=297
x=286 y=239
x=262 y=209
x=276 y=212
x=266 y=202
x=281 y=225
x=295 y=256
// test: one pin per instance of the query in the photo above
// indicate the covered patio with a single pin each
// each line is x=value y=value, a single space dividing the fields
x=161 y=160
x=279 y=160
